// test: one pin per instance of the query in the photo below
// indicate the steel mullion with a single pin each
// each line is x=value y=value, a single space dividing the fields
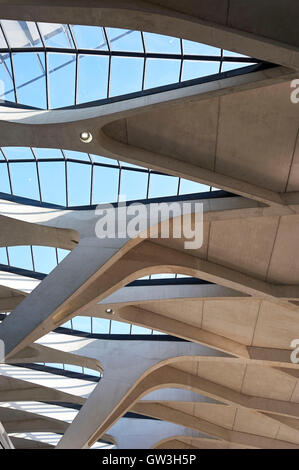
x=8 y=170
x=91 y=179
x=32 y=258
x=38 y=176
x=77 y=63
x=66 y=180
x=182 y=60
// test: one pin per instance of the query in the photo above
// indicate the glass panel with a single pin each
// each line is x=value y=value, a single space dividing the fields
x=3 y=256
x=161 y=72
x=133 y=185
x=76 y=155
x=92 y=78
x=105 y=185
x=232 y=54
x=91 y=372
x=57 y=365
x=161 y=185
x=72 y=368
x=56 y=35
x=18 y=153
x=24 y=180
x=126 y=75
x=160 y=43
x=195 y=69
x=4 y=180
x=82 y=324
x=138 y=330
x=62 y=254
x=197 y=48
x=6 y=82
x=47 y=153
x=20 y=256
x=44 y=258
x=188 y=187
x=234 y=65
x=62 y=68
x=30 y=79
x=100 y=325
x=99 y=159
x=3 y=43
x=124 y=40
x=50 y=173
x=89 y=37
x=79 y=180
x=21 y=33
x=119 y=328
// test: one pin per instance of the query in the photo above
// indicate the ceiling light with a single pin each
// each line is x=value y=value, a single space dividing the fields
x=85 y=137
x=109 y=310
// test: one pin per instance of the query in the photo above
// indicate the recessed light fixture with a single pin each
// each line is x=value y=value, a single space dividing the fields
x=109 y=310
x=86 y=137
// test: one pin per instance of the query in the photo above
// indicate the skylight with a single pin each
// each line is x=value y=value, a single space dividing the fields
x=48 y=66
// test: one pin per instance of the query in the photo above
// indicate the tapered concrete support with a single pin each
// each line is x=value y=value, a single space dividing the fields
x=177 y=416
x=130 y=433
x=21 y=443
x=5 y=442
x=24 y=421
x=13 y=389
x=125 y=365
x=40 y=353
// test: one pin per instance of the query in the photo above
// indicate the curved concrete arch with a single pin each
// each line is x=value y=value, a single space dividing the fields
x=221 y=24
x=224 y=428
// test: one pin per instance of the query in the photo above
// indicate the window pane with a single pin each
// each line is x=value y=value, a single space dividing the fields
x=21 y=33
x=138 y=330
x=24 y=180
x=18 y=153
x=76 y=155
x=4 y=180
x=92 y=78
x=20 y=256
x=161 y=43
x=133 y=185
x=100 y=325
x=82 y=324
x=62 y=69
x=161 y=185
x=56 y=35
x=119 y=328
x=44 y=258
x=3 y=256
x=30 y=76
x=161 y=72
x=62 y=254
x=78 y=184
x=89 y=37
x=234 y=65
x=50 y=173
x=124 y=40
x=232 y=54
x=188 y=187
x=105 y=185
x=195 y=69
x=126 y=75
x=6 y=82
x=196 y=48
x=47 y=153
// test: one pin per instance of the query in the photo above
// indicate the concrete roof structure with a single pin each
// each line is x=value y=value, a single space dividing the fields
x=214 y=365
